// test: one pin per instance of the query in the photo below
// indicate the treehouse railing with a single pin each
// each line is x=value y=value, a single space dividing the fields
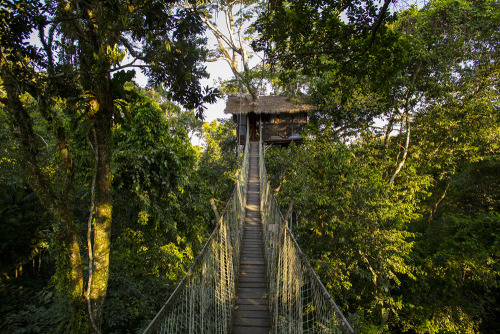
x=204 y=299
x=298 y=301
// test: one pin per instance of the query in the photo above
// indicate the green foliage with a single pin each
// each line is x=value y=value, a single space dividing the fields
x=161 y=208
x=460 y=257
x=64 y=84
x=354 y=233
x=383 y=261
x=162 y=218
x=37 y=314
x=218 y=161
x=477 y=187
x=391 y=263
x=24 y=227
x=404 y=235
x=459 y=254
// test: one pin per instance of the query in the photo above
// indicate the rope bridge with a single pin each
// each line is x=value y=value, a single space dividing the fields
x=204 y=300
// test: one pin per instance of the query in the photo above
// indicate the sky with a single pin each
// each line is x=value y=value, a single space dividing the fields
x=217 y=70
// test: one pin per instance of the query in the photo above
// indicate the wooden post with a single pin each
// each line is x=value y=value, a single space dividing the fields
x=238 y=136
x=260 y=128
x=248 y=127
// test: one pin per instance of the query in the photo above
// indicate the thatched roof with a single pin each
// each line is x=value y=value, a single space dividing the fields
x=267 y=105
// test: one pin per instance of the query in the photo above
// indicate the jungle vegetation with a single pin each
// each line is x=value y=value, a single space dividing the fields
x=105 y=199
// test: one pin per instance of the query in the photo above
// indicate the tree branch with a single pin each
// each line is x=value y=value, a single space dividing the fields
x=220 y=58
x=439 y=200
x=131 y=64
x=218 y=34
x=130 y=48
x=405 y=154
x=377 y=25
x=230 y=22
x=24 y=123
x=240 y=28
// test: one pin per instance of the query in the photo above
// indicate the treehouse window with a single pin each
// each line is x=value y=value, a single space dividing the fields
x=300 y=118
x=285 y=118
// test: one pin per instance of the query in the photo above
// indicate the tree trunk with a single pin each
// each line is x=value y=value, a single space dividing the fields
x=389 y=128
x=405 y=154
x=103 y=206
x=435 y=206
x=69 y=257
x=93 y=55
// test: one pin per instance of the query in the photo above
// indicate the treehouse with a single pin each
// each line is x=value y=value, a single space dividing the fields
x=278 y=119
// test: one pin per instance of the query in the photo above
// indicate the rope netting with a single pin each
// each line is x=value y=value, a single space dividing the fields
x=204 y=299
x=298 y=301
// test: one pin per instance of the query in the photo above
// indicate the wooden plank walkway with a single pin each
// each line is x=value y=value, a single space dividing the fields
x=251 y=314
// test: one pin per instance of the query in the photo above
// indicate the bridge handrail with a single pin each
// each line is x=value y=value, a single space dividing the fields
x=204 y=299
x=298 y=300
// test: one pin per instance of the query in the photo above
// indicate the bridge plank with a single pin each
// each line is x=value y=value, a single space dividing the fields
x=255 y=322
x=261 y=271
x=252 y=307
x=251 y=315
x=250 y=330
x=255 y=290
x=255 y=253
x=247 y=266
x=252 y=295
x=253 y=267
x=251 y=257
x=254 y=279
x=261 y=284
x=254 y=261
x=260 y=314
x=252 y=301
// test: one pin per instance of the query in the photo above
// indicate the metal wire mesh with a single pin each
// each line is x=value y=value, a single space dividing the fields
x=204 y=299
x=298 y=300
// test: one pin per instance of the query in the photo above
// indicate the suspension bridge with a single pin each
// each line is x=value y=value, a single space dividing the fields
x=251 y=275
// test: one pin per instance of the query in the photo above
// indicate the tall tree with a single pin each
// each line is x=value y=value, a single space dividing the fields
x=83 y=44
x=18 y=63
